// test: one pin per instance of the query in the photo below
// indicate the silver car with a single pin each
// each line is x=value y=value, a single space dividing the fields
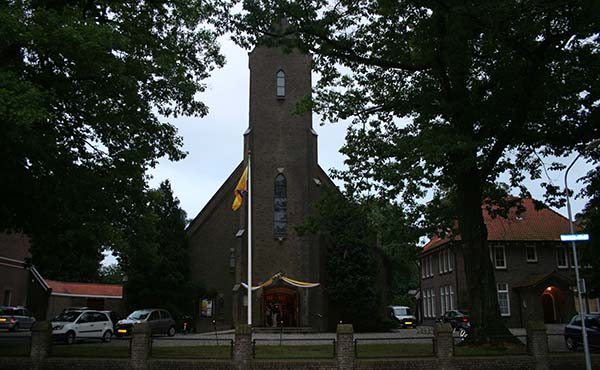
x=160 y=322
x=15 y=318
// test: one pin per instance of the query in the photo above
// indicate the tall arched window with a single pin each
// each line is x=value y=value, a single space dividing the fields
x=280 y=84
x=280 y=207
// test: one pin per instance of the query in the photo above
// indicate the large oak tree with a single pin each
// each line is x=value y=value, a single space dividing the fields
x=446 y=97
x=85 y=86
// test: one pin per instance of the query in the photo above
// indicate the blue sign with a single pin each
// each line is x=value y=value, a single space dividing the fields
x=574 y=237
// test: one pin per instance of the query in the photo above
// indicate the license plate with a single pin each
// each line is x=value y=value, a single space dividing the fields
x=408 y=323
x=2 y=319
x=122 y=331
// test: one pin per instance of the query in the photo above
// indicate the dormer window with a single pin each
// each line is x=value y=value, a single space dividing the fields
x=280 y=84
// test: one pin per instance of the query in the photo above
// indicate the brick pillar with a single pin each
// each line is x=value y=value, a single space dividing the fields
x=443 y=341
x=344 y=347
x=41 y=341
x=242 y=350
x=140 y=346
x=537 y=343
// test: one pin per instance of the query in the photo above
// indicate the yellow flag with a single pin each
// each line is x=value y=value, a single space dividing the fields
x=240 y=190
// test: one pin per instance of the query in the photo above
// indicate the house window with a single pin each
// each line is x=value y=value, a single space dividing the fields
x=430 y=265
x=561 y=257
x=451 y=297
x=7 y=297
x=443 y=299
x=503 y=299
x=443 y=261
x=425 y=302
x=427 y=267
x=450 y=263
x=432 y=303
x=280 y=207
x=531 y=253
x=280 y=84
x=499 y=257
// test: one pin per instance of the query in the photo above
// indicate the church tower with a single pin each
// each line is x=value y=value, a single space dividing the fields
x=283 y=146
x=286 y=180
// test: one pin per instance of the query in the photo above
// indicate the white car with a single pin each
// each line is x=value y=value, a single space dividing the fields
x=82 y=324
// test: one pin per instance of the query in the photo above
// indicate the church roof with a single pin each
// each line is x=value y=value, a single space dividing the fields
x=533 y=224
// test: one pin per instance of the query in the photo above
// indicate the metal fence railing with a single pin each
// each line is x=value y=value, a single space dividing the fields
x=92 y=347
x=191 y=348
x=492 y=346
x=15 y=345
x=375 y=347
x=293 y=348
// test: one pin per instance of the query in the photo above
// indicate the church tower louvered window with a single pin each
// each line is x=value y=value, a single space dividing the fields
x=280 y=84
x=280 y=207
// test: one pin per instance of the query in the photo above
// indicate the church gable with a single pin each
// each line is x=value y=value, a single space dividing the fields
x=222 y=198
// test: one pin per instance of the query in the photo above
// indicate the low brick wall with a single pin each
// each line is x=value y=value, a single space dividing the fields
x=444 y=358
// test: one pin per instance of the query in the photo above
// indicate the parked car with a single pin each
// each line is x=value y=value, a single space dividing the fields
x=114 y=318
x=459 y=320
x=83 y=324
x=15 y=318
x=403 y=315
x=572 y=333
x=160 y=322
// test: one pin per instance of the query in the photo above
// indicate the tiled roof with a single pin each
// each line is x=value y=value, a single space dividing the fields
x=532 y=224
x=85 y=289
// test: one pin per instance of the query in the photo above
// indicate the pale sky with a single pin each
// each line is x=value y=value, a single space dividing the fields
x=215 y=143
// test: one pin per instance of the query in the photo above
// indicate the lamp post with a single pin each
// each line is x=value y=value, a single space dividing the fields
x=586 y=348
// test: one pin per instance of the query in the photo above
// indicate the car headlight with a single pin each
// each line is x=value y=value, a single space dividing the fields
x=57 y=327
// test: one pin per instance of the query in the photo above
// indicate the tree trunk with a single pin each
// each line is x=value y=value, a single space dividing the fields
x=479 y=271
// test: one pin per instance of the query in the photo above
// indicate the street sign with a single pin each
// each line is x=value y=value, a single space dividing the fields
x=574 y=237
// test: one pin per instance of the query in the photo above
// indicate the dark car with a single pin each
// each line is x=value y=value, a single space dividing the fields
x=114 y=317
x=160 y=322
x=573 y=337
x=15 y=318
x=459 y=320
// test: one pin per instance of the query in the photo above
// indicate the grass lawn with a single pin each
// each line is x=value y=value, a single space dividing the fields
x=199 y=352
x=394 y=350
x=14 y=350
x=90 y=350
x=491 y=349
x=294 y=352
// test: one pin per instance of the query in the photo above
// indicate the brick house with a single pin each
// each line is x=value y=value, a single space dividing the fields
x=534 y=270
x=14 y=268
x=22 y=285
x=286 y=179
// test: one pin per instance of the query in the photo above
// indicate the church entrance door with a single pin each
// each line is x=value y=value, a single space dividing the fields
x=280 y=306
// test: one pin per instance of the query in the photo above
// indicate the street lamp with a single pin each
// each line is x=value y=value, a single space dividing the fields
x=586 y=348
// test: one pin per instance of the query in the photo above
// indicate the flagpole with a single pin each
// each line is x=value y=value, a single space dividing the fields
x=249 y=241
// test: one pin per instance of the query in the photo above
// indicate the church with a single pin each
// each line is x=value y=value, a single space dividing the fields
x=285 y=180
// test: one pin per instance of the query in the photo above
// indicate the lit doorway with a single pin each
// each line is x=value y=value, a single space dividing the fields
x=549 y=304
x=280 y=306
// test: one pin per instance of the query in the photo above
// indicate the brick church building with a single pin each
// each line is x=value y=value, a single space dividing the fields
x=286 y=179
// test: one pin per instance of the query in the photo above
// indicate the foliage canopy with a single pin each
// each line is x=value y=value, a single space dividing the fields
x=83 y=87
x=447 y=97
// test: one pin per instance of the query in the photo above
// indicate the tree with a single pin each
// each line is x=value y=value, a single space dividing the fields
x=155 y=260
x=111 y=274
x=447 y=96
x=589 y=219
x=82 y=85
x=351 y=266
x=361 y=235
